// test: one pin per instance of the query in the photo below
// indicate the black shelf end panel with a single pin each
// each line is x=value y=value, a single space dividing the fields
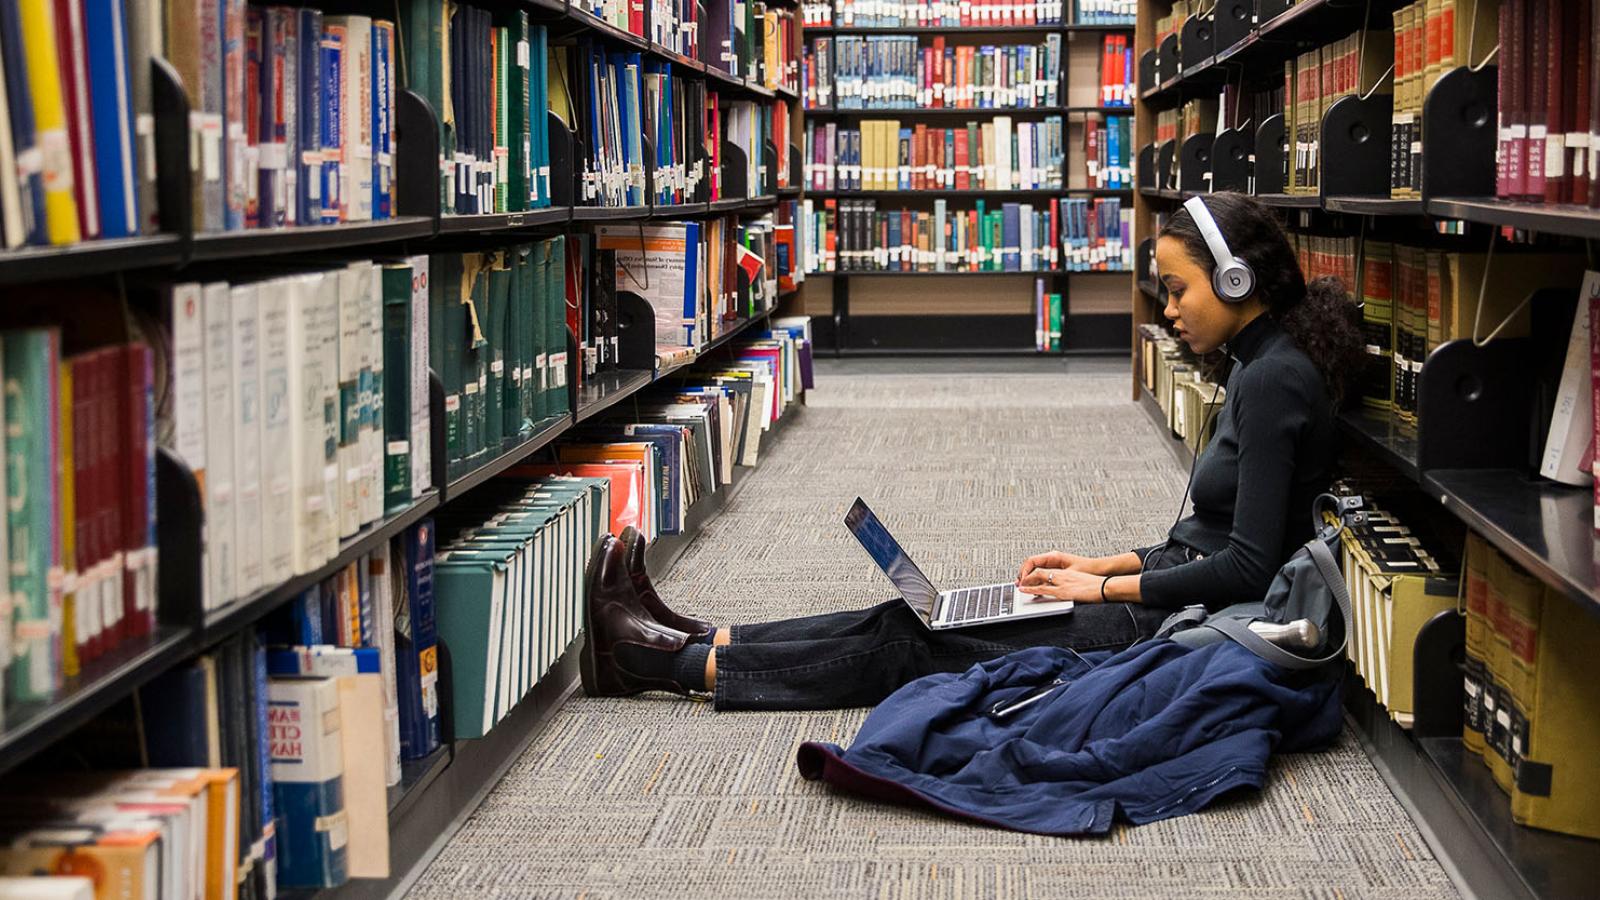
x=89 y=258
x=1382 y=435
x=229 y=618
x=1550 y=218
x=544 y=431
x=531 y=218
x=603 y=390
x=223 y=245
x=1545 y=527
x=27 y=728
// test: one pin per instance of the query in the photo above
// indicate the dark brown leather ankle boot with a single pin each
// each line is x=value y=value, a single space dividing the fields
x=635 y=544
x=614 y=618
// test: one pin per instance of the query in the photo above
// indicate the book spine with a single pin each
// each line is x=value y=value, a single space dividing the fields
x=247 y=437
x=398 y=410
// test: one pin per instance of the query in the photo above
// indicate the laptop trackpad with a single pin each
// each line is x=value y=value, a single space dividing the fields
x=1024 y=604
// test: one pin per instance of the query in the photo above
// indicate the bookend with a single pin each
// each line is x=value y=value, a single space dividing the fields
x=1470 y=402
x=1195 y=45
x=416 y=165
x=1147 y=168
x=1272 y=149
x=438 y=461
x=179 y=537
x=171 y=113
x=796 y=169
x=735 y=172
x=1164 y=165
x=1230 y=160
x=574 y=366
x=1231 y=21
x=768 y=169
x=1267 y=10
x=636 y=332
x=446 y=688
x=1144 y=260
x=649 y=154
x=1354 y=154
x=1194 y=163
x=563 y=161
x=1168 y=62
x=1458 y=120
x=1149 y=76
x=1436 y=681
x=841 y=314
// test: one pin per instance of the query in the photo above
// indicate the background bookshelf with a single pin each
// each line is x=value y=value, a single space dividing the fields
x=1391 y=179
x=747 y=186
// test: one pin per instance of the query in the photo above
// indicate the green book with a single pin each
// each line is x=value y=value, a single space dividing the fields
x=474 y=369
x=445 y=272
x=438 y=73
x=555 y=307
x=522 y=288
x=511 y=418
x=499 y=294
x=469 y=607
x=31 y=362
x=538 y=325
x=1055 y=323
x=502 y=125
x=397 y=386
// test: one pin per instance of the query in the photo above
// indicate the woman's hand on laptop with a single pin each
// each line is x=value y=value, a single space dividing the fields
x=1055 y=559
x=1052 y=583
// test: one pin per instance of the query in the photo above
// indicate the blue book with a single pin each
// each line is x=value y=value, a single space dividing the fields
x=331 y=102
x=308 y=781
x=19 y=99
x=539 y=116
x=308 y=123
x=383 y=93
x=111 y=102
x=321 y=660
x=172 y=711
x=691 y=277
x=1113 y=151
x=416 y=646
x=269 y=842
x=1011 y=237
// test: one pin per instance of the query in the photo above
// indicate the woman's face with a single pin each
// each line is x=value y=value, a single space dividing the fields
x=1203 y=321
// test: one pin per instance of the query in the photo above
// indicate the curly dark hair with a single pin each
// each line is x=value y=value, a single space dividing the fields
x=1320 y=317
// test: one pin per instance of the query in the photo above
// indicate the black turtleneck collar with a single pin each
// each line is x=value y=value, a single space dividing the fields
x=1248 y=343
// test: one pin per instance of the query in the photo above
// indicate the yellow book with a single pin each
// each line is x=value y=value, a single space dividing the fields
x=49 y=120
x=1475 y=596
x=1557 y=772
x=71 y=624
x=1510 y=589
x=1414 y=600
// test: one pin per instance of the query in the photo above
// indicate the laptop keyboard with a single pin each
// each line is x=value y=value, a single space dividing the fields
x=973 y=604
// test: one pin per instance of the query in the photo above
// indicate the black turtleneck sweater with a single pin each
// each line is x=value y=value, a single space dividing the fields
x=1272 y=454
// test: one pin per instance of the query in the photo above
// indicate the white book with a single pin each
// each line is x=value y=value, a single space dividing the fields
x=1025 y=233
x=219 y=496
x=1002 y=153
x=356 y=111
x=325 y=335
x=12 y=227
x=421 y=440
x=182 y=428
x=1572 y=424
x=374 y=434
x=304 y=391
x=46 y=887
x=248 y=532
x=351 y=343
x=277 y=410
x=380 y=569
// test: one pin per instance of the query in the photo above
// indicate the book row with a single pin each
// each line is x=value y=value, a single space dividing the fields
x=887 y=154
x=1117 y=86
x=1187 y=393
x=931 y=13
x=1355 y=64
x=1108 y=151
x=1529 y=712
x=750 y=40
x=1104 y=12
x=300 y=403
x=898 y=72
x=1432 y=37
x=79 y=536
x=1548 y=104
x=854 y=236
x=1047 y=319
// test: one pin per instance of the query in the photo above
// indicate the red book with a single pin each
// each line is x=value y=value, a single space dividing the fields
x=1594 y=371
x=919 y=146
x=963 y=161
x=636 y=17
x=253 y=50
x=72 y=59
x=1559 y=44
x=1054 y=253
x=1536 y=96
x=1578 y=111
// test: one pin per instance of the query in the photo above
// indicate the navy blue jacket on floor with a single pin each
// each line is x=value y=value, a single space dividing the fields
x=1156 y=731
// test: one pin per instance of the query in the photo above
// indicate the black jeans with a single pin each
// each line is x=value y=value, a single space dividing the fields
x=859 y=657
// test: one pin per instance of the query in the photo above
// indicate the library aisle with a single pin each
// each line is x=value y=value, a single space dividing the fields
x=975 y=463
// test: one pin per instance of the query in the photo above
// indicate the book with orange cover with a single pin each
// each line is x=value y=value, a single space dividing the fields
x=641 y=452
x=627 y=485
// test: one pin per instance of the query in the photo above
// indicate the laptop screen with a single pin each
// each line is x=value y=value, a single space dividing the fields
x=885 y=551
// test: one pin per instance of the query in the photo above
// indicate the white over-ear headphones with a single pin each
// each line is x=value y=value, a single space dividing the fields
x=1233 y=280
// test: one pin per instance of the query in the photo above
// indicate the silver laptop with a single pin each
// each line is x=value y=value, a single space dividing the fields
x=943 y=609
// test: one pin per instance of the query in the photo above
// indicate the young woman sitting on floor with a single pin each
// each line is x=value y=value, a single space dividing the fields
x=1292 y=347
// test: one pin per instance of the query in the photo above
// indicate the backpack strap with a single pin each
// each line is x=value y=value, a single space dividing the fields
x=1240 y=632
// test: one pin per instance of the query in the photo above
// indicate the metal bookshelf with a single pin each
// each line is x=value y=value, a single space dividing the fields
x=1465 y=455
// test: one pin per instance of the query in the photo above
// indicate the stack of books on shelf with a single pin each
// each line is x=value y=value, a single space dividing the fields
x=276 y=392
x=675 y=25
x=1187 y=394
x=1397 y=584
x=816 y=14
x=1097 y=234
x=816 y=74
x=499 y=322
x=613 y=170
x=1117 y=68
x=1357 y=64
x=1104 y=12
x=79 y=536
x=855 y=236
x=1197 y=116
x=889 y=154
x=675 y=114
x=1549 y=138
x=897 y=72
x=487 y=77
x=1108 y=152
x=624 y=16
x=1529 y=711
x=940 y=14
x=1431 y=38
x=779 y=37
x=1171 y=24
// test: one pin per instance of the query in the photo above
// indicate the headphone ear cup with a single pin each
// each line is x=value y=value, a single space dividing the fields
x=1235 y=281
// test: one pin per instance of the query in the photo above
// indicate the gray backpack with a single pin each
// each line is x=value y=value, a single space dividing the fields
x=1309 y=588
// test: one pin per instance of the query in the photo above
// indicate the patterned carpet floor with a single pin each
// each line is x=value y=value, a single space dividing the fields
x=975 y=466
